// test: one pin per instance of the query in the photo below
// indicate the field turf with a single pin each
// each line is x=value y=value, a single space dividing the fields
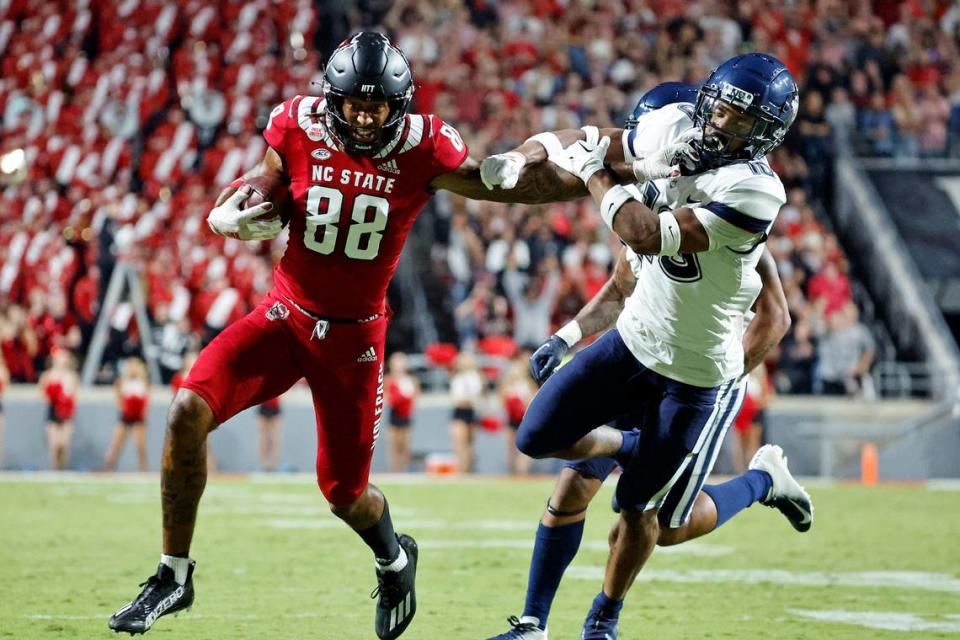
x=881 y=562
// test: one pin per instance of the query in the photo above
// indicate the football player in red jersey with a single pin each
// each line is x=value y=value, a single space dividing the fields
x=360 y=169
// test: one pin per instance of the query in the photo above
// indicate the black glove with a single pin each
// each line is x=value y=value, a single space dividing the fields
x=547 y=357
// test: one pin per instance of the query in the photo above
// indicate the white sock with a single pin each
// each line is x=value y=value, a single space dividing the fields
x=179 y=565
x=531 y=619
x=396 y=565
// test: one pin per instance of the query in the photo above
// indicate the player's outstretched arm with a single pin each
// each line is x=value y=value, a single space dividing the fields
x=523 y=174
x=597 y=315
x=772 y=319
x=540 y=183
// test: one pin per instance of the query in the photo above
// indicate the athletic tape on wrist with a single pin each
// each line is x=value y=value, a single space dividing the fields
x=549 y=141
x=571 y=333
x=593 y=133
x=669 y=234
x=611 y=203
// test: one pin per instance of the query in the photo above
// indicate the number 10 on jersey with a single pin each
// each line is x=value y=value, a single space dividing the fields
x=363 y=236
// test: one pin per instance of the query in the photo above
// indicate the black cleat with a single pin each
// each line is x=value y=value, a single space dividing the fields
x=398 y=598
x=161 y=595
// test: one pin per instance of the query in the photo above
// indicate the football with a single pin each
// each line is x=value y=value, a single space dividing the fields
x=268 y=189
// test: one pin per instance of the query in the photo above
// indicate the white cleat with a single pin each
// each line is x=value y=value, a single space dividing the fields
x=785 y=494
x=523 y=628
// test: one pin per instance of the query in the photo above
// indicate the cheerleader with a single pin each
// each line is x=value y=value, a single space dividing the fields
x=466 y=391
x=133 y=393
x=402 y=391
x=59 y=384
x=517 y=388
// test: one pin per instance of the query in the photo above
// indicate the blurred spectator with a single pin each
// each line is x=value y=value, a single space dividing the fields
x=812 y=125
x=933 y=110
x=172 y=339
x=841 y=115
x=845 y=354
x=207 y=108
x=532 y=299
x=829 y=290
x=20 y=345
x=903 y=107
x=798 y=360
x=877 y=126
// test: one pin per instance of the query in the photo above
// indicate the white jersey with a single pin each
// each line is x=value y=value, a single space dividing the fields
x=686 y=317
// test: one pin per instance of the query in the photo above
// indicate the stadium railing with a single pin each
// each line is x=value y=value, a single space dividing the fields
x=867 y=229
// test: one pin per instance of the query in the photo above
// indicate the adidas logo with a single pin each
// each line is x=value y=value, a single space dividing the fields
x=390 y=166
x=370 y=355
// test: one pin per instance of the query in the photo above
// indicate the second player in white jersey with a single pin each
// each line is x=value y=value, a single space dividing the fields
x=685 y=319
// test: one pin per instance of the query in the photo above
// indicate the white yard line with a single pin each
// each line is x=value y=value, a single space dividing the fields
x=886 y=620
x=869 y=579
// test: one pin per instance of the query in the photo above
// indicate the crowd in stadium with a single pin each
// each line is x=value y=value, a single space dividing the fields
x=134 y=115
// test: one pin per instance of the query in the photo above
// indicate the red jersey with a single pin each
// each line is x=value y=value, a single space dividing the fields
x=352 y=212
x=515 y=407
x=62 y=399
x=133 y=400
x=400 y=393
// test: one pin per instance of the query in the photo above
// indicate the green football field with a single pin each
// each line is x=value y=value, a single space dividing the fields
x=880 y=562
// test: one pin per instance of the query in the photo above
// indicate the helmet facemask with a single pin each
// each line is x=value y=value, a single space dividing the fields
x=759 y=133
x=343 y=129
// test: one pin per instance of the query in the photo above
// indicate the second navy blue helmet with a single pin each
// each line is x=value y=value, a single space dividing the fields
x=755 y=84
x=660 y=96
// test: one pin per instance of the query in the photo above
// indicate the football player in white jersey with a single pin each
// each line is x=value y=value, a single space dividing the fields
x=694 y=224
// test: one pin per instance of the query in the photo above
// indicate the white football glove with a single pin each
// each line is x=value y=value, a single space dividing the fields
x=230 y=221
x=665 y=162
x=502 y=170
x=581 y=158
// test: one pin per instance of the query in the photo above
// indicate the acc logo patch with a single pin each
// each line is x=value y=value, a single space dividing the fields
x=278 y=311
x=321 y=154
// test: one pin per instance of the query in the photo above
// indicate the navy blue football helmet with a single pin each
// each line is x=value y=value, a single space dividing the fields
x=660 y=96
x=758 y=85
